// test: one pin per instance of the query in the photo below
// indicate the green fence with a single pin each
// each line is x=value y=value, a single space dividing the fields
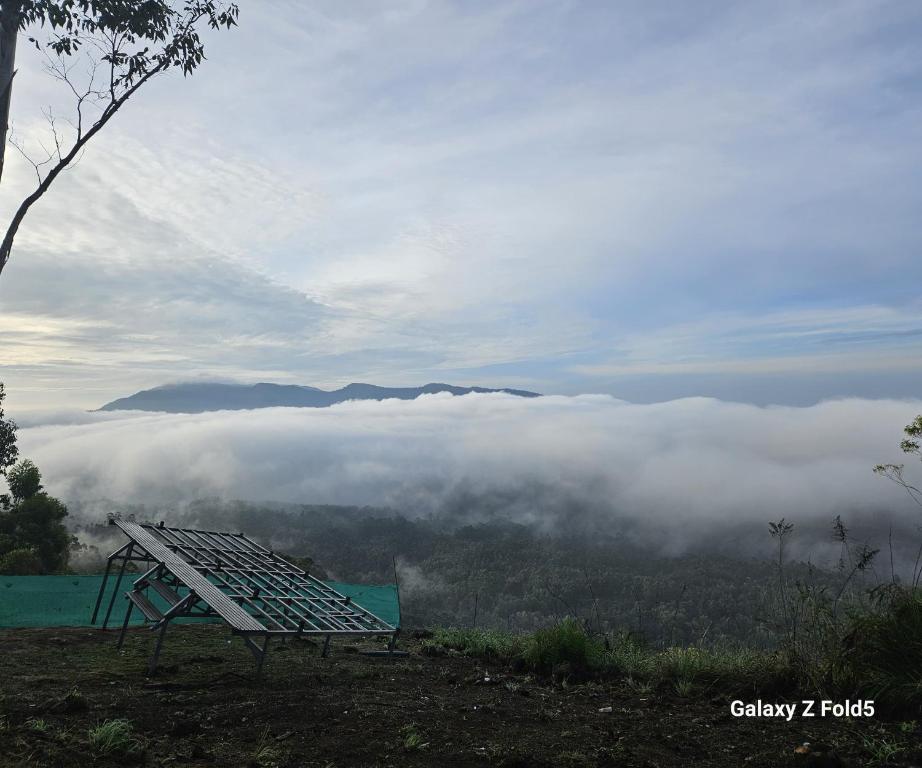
x=67 y=601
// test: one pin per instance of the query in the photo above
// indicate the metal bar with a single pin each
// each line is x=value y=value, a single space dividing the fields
x=262 y=658
x=231 y=576
x=261 y=580
x=177 y=610
x=254 y=559
x=121 y=635
x=218 y=575
x=118 y=584
x=105 y=579
x=156 y=655
x=191 y=578
x=147 y=574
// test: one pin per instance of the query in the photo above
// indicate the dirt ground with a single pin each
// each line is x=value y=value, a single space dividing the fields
x=205 y=709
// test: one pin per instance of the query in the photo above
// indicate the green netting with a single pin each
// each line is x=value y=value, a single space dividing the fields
x=67 y=601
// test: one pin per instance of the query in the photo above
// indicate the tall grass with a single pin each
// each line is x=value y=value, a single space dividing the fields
x=564 y=645
x=855 y=637
x=114 y=737
x=567 y=649
x=882 y=652
x=487 y=644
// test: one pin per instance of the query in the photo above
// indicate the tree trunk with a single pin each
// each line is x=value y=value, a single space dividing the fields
x=9 y=29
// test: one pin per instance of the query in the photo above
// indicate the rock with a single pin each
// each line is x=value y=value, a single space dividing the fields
x=818 y=756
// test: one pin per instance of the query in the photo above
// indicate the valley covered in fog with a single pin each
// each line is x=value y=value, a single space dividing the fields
x=507 y=511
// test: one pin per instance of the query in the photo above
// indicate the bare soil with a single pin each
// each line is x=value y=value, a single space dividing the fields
x=204 y=708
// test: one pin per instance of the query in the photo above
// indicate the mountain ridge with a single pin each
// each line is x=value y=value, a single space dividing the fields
x=201 y=397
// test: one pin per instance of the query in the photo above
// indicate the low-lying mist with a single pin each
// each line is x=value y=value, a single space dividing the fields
x=677 y=473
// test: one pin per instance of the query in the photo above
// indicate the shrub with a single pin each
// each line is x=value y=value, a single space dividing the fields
x=21 y=562
x=629 y=656
x=114 y=737
x=882 y=654
x=566 y=643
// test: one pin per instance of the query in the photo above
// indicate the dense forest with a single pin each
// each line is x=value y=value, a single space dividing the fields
x=504 y=575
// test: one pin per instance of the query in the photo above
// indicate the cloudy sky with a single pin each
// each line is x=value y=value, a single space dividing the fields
x=642 y=199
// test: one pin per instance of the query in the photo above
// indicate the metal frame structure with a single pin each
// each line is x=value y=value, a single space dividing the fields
x=257 y=593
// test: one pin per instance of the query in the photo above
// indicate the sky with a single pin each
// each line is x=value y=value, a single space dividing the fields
x=645 y=200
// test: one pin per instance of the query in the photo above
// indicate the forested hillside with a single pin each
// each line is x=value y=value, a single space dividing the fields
x=504 y=575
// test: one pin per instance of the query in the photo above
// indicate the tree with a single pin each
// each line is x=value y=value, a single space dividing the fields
x=910 y=446
x=8 y=450
x=32 y=533
x=123 y=45
x=33 y=538
x=24 y=480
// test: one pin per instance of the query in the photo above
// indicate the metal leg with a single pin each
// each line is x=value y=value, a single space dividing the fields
x=153 y=659
x=392 y=643
x=121 y=636
x=261 y=659
x=118 y=584
x=105 y=580
x=326 y=647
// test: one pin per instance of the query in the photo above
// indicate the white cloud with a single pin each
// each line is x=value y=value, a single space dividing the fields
x=680 y=465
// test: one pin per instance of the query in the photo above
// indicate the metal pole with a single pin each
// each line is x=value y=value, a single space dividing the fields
x=118 y=583
x=397 y=586
x=121 y=635
x=105 y=579
x=262 y=658
x=153 y=659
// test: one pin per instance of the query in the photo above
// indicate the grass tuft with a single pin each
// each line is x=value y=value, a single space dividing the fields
x=565 y=643
x=487 y=644
x=38 y=725
x=412 y=739
x=883 y=651
x=266 y=754
x=114 y=737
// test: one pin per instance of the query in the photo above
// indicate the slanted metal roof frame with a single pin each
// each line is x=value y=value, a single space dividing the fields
x=256 y=592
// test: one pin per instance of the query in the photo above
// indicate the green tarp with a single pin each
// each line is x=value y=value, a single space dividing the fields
x=67 y=601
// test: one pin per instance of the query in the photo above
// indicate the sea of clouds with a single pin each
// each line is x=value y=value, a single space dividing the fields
x=682 y=466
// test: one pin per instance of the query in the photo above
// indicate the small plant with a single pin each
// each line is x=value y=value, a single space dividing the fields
x=74 y=701
x=266 y=754
x=114 y=737
x=882 y=750
x=684 y=686
x=908 y=727
x=412 y=739
x=38 y=725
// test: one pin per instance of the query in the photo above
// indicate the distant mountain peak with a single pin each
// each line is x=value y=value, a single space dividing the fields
x=202 y=396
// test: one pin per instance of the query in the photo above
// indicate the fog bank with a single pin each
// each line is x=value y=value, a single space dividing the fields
x=680 y=465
